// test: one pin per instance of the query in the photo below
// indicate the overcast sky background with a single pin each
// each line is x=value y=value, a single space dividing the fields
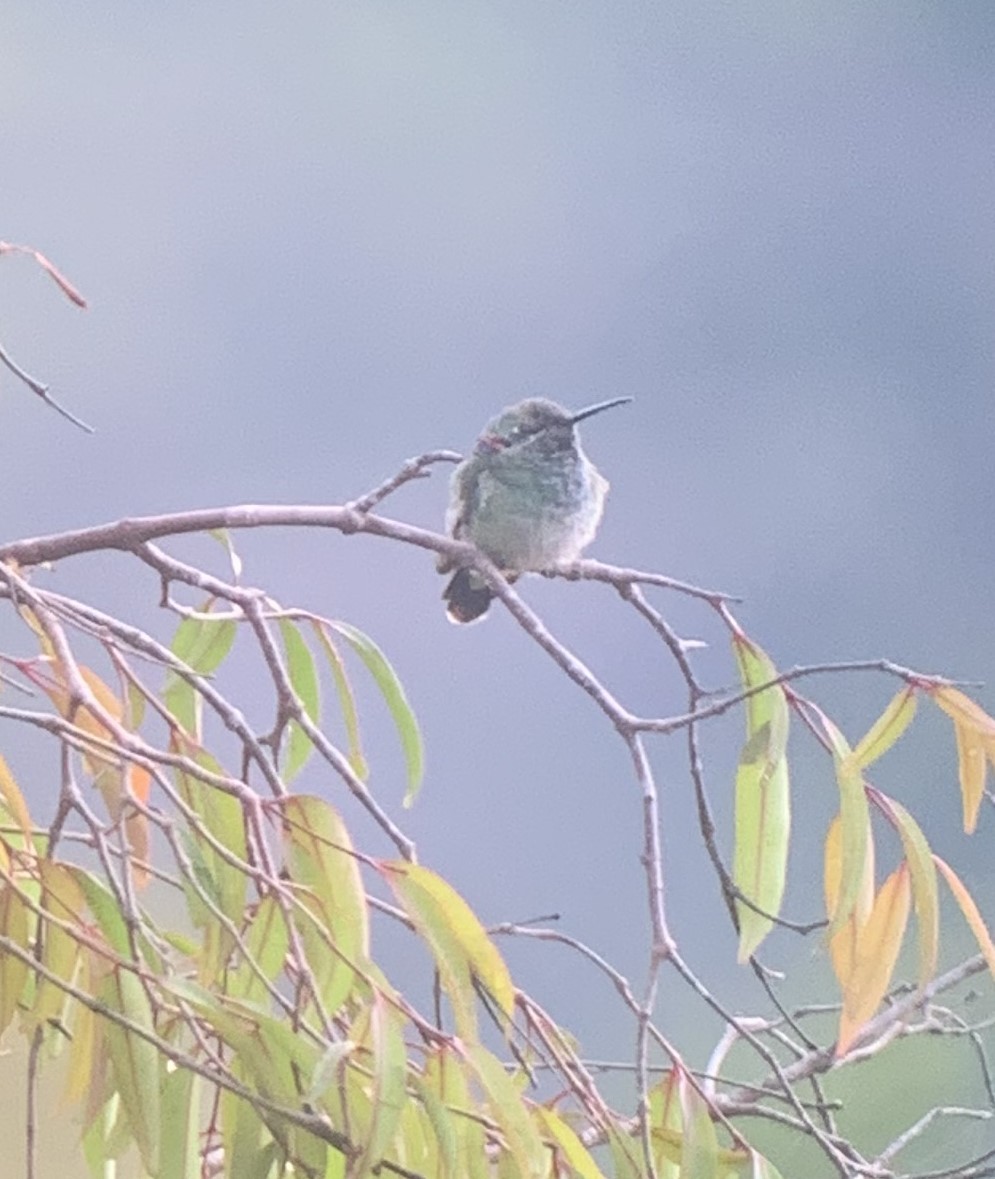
x=320 y=238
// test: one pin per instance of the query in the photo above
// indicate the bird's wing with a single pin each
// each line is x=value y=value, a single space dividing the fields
x=464 y=496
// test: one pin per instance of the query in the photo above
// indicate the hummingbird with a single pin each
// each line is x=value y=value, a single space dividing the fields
x=528 y=497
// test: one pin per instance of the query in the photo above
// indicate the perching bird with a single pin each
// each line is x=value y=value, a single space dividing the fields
x=528 y=497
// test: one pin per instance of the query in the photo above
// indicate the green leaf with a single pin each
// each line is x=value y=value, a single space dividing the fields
x=335 y=923
x=390 y=687
x=304 y=681
x=569 y=1147
x=180 y=1147
x=699 y=1145
x=347 y=702
x=509 y=1111
x=763 y=802
x=459 y=943
x=134 y=1061
x=386 y=1044
x=446 y=1075
x=223 y=537
x=266 y=941
x=202 y=644
x=446 y=1125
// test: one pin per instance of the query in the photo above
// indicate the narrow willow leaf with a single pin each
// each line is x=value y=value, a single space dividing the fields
x=843 y=943
x=925 y=893
x=386 y=1045
x=699 y=1145
x=461 y=1139
x=878 y=944
x=458 y=941
x=304 y=681
x=763 y=805
x=762 y=1168
x=856 y=837
x=180 y=1146
x=14 y=803
x=347 y=702
x=223 y=537
x=250 y=1150
x=134 y=1061
x=886 y=730
x=87 y=1071
x=666 y=1124
x=266 y=941
x=975 y=732
x=963 y=709
x=319 y=857
x=202 y=644
x=390 y=687
x=627 y=1157
x=62 y=897
x=329 y=1067
x=446 y=1152
x=576 y=1158
x=972 y=770
x=220 y=815
x=971 y=912
x=15 y=924
x=105 y=910
x=509 y=1111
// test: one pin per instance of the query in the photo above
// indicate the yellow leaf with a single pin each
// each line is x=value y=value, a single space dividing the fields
x=886 y=730
x=876 y=950
x=459 y=943
x=14 y=800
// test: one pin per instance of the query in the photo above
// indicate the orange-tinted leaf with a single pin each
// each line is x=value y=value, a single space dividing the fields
x=972 y=771
x=963 y=709
x=842 y=944
x=877 y=946
x=856 y=848
x=970 y=911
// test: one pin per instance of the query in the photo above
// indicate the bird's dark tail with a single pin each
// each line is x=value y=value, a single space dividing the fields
x=467 y=598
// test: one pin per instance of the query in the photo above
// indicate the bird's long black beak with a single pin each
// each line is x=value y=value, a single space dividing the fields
x=593 y=409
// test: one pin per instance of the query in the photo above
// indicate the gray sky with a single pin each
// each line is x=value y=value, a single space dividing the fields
x=319 y=240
